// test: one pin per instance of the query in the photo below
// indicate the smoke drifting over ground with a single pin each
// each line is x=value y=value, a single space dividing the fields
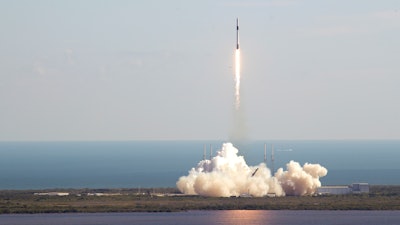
x=227 y=174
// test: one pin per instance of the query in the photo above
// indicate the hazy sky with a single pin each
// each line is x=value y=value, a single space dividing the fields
x=128 y=70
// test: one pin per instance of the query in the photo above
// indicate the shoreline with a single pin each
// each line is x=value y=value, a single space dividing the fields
x=381 y=197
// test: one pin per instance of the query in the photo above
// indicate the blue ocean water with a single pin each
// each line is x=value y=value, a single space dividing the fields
x=131 y=164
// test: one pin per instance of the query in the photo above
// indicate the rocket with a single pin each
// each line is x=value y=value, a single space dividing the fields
x=237 y=33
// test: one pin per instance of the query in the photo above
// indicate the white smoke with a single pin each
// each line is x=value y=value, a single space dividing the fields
x=299 y=180
x=227 y=174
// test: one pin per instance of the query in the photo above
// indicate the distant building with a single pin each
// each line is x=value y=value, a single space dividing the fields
x=355 y=188
x=52 y=194
x=103 y=194
x=358 y=188
x=334 y=190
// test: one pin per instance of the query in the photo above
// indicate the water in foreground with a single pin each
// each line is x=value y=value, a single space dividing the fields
x=250 y=217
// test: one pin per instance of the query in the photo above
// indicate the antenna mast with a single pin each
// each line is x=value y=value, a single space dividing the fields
x=211 y=152
x=265 y=153
x=272 y=159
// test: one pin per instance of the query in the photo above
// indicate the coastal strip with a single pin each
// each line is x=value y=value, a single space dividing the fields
x=170 y=200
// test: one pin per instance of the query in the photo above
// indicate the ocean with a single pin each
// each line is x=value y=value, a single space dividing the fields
x=132 y=164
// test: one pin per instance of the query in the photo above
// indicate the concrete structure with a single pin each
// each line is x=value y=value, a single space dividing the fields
x=355 y=188
x=334 y=190
x=360 y=188
x=52 y=194
x=103 y=194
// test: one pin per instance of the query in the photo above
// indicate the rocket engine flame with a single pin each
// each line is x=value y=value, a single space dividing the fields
x=227 y=174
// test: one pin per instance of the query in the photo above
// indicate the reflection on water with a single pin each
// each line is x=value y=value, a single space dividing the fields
x=241 y=217
x=248 y=217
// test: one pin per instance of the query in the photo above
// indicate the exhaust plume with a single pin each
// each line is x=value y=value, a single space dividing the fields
x=227 y=174
x=239 y=129
x=299 y=180
x=237 y=79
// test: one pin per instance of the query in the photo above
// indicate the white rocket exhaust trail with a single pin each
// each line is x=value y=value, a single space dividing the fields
x=237 y=79
x=237 y=68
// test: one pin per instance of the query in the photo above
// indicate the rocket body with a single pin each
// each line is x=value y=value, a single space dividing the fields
x=237 y=33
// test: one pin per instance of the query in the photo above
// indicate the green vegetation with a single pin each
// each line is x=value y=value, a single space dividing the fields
x=130 y=200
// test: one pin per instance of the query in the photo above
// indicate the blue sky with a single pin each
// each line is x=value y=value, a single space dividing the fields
x=133 y=70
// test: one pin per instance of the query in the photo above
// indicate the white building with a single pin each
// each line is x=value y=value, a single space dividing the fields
x=52 y=194
x=355 y=188
x=334 y=190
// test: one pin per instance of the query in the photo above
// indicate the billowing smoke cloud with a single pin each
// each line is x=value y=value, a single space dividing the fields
x=227 y=174
x=299 y=180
